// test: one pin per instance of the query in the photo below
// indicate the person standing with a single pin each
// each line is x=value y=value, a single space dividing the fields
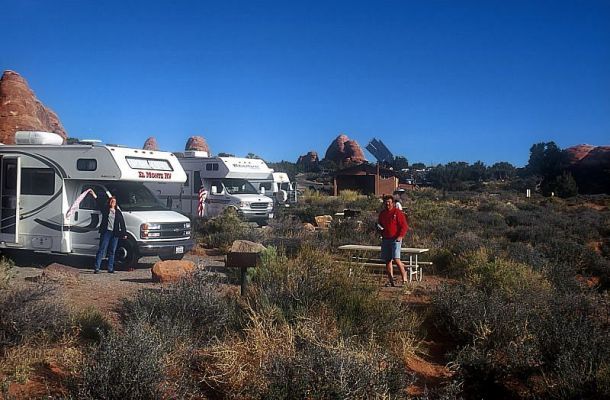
x=112 y=228
x=393 y=225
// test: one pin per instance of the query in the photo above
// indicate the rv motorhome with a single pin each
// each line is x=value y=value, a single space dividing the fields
x=227 y=182
x=40 y=179
x=279 y=187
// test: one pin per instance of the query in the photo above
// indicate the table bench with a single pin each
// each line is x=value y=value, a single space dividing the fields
x=361 y=254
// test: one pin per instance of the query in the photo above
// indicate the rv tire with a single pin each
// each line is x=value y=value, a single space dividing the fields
x=126 y=254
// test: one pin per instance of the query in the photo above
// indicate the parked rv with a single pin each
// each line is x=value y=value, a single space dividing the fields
x=40 y=179
x=227 y=182
x=278 y=187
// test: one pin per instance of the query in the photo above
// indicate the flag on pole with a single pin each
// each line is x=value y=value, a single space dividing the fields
x=77 y=202
x=203 y=194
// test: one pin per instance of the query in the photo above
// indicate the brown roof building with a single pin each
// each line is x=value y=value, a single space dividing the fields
x=366 y=179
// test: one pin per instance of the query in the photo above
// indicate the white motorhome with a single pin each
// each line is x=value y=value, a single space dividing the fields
x=40 y=179
x=279 y=187
x=227 y=182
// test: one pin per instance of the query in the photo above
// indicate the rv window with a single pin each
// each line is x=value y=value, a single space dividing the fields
x=266 y=185
x=211 y=167
x=37 y=181
x=10 y=180
x=148 y=163
x=196 y=181
x=238 y=186
x=86 y=164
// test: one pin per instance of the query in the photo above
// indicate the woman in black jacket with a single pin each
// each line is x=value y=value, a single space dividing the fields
x=112 y=228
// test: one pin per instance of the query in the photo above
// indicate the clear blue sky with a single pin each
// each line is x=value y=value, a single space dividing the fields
x=436 y=81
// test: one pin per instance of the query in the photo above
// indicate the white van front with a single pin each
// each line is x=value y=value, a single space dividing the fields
x=241 y=195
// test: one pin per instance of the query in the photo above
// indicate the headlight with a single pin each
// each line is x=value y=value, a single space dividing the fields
x=150 y=226
x=244 y=204
x=187 y=225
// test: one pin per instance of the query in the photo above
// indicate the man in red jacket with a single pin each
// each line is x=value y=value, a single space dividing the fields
x=393 y=226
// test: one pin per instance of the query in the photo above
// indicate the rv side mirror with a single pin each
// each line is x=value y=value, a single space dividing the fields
x=262 y=190
x=214 y=190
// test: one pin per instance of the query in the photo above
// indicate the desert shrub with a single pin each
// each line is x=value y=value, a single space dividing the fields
x=127 y=364
x=92 y=324
x=305 y=359
x=287 y=226
x=195 y=304
x=565 y=185
x=525 y=253
x=296 y=286
x=6 y=272
x=364 y=203
x=27 y=313
x=338 y=370
x=356 y=230
x=222 y=231
x=349 y=195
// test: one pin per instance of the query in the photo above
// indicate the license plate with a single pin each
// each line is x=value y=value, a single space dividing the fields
x=179 y=249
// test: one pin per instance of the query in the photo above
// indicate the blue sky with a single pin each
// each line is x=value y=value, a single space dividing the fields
x=436 y=81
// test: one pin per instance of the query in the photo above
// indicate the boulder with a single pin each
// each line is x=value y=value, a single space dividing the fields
x=343 y=150
x=60 y=273
x=151 y=144
x=309 y=227
x=20 y=110
x=197 y=143
x=171 y=270
x=246 y=246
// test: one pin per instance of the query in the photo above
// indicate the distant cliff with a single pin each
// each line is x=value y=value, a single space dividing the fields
x=590 y=167
x=342 y=150
x=20 y=110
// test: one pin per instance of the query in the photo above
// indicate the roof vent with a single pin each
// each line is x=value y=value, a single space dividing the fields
x=37 y=137
x=196 y=154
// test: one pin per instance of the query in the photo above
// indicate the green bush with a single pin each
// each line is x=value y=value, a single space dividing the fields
x=195 y=304
x=92 y=324
x=127 y=364
x=29 y=313
x=222 y=231
x=6 y=272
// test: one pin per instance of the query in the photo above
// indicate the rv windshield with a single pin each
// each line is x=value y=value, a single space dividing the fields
x=238 y=186
x=134 y=196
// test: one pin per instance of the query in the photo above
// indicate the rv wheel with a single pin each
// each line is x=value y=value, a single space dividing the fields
x=126 y=255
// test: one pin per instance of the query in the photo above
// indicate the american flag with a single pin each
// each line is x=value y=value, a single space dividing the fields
x=203 y=194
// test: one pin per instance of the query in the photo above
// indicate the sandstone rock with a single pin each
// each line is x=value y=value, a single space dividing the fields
x=20 y=110
x=309 y=227
x=342 y=150
x=590 y=167
x=171 y=270
x=151 y=144
x=309 y=161
x=197 y=143
x=246 y=246
x=323 y=221
x=60 y=273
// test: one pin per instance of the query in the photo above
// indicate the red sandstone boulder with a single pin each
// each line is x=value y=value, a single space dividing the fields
x=197 y=143
x=172 y=270
x=151 y=144
x=20 y=110
x=342 y=150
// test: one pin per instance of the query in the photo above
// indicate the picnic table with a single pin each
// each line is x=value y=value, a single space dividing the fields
x=369 y=255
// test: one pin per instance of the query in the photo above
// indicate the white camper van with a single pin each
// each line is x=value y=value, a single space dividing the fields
x=227 y=182
x=40 y=179
x=279 y=187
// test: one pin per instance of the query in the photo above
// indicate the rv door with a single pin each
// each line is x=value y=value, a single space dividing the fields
x=86 y=220
x=10 y=193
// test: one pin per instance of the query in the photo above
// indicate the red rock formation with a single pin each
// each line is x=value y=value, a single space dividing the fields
x=343 y=150
x=590 y=167
x=20 y=110
x=197 y=143
x=309 y=161
x=151 y=144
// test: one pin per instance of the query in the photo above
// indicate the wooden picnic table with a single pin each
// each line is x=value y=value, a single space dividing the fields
x=414 y=266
